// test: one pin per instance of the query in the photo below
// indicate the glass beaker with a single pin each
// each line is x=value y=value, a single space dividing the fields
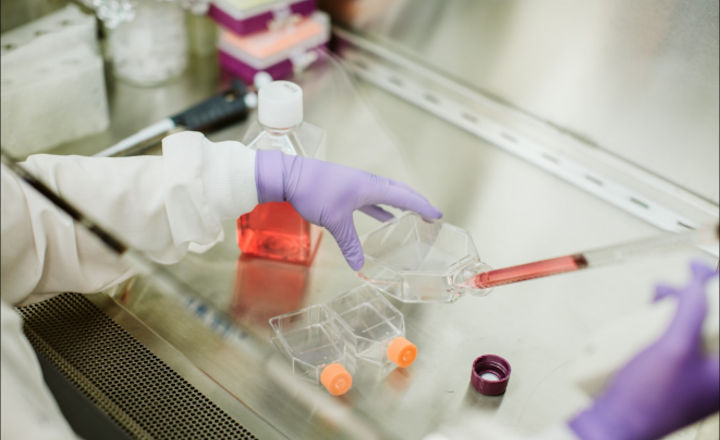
x=319 y=347
x=416 y=260
x=377 y=327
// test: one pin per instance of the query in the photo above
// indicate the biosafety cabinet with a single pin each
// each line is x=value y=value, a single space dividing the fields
x=540 y=128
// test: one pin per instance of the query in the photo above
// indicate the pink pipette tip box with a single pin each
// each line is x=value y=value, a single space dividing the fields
x=245 y=17
x=272 y=51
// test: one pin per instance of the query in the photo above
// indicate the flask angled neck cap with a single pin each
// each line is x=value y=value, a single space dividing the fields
x=280 y=104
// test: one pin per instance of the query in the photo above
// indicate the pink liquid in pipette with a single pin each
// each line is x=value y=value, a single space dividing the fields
x=522 y=272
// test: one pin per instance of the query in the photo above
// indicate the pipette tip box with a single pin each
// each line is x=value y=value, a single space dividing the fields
x=277 y=52
x=244 y=17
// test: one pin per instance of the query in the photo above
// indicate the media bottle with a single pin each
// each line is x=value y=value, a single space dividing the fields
x=274 y=230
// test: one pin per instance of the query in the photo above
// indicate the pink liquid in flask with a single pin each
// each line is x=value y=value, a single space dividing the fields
x=274 y=230
x=522 y=272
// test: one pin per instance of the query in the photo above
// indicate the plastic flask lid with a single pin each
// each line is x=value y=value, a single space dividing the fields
x=402 y=352
x=280 y=104
x=490 y=375
x=336 y=379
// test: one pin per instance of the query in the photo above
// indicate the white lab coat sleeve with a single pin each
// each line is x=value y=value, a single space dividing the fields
x=162 y=205
x=28 y=410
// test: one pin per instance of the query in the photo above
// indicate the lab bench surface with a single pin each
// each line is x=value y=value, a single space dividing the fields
x=515 y=212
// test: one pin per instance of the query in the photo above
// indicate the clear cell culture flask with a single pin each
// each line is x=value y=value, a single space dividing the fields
x=416 y=260
x=376 y=326
x=318 y=346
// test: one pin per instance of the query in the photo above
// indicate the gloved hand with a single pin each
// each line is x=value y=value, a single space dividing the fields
x=326 y=194
x=670 y=384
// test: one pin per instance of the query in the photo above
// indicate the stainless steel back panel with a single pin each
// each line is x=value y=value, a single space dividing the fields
x=638 y=79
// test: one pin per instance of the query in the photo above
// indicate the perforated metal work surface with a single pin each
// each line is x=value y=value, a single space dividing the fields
x=121 y=376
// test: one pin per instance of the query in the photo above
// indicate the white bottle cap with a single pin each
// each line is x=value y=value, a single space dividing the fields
x=280 y=104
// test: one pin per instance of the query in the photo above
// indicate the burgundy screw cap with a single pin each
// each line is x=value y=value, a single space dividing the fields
x=490 y=375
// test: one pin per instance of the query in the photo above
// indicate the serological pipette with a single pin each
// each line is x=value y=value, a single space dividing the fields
x=594 y=258
x=225 y=108
x=218 y=111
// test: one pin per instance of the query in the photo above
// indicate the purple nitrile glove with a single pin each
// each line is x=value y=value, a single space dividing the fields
x=326 y=194
x=670 y=384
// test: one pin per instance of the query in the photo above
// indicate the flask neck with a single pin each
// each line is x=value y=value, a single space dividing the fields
x=279 y=131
